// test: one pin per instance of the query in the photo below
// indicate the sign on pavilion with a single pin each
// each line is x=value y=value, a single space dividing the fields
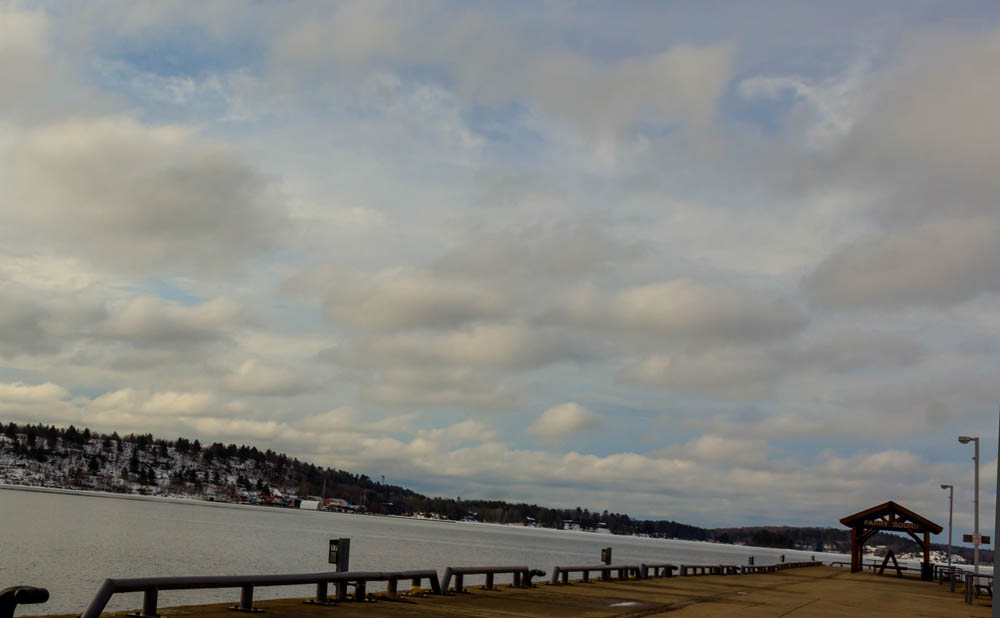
x=888 y=517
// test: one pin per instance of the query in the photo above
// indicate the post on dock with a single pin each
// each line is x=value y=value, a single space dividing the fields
x=340 y=554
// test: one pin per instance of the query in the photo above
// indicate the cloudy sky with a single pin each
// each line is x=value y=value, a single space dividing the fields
x=727 y=265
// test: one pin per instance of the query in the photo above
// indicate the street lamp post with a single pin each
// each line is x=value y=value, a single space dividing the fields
x=975 y=537
x=951 y=502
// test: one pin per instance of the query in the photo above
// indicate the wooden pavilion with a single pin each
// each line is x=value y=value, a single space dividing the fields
x=889 y=517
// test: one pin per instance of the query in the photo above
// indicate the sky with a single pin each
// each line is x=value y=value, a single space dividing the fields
x=722 y=263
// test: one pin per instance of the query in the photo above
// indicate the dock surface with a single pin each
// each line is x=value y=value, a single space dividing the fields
x=796 y=593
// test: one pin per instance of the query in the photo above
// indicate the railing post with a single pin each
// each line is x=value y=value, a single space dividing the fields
x=489 y=581
x=459 y=581
x=586 y=576
x=341 y=590
x=149 y=598
x=359 y=590
x=246 y=600
x=517 y=579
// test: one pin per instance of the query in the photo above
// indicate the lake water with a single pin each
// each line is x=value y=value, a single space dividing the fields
x=69 y=543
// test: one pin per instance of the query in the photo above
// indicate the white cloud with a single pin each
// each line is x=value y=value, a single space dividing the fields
x=20 y=393
x=500 y=346
x=854 y=350
x=318 y=278
x=491 y=67
x=725 y=374
x=22 y=328
x=834 y=104
x=254 y=379
x=140 y=199
x=37 y=83
x=150 y=320
x=933 y=263
x=184 y=404
x=48 y=273
x=407 y=298
x=925 y=148
x=348 y=419
x=563 y=421
x=684 y=309
x=414 y=386
x=470 y=430
x=553 y=251
x=134 y=402
x=724 y=450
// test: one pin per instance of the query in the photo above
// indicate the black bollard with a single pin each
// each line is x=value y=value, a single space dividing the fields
x=10 y=598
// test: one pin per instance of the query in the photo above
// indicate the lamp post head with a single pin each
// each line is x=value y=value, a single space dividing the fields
x=965 y=439
x=947 y=486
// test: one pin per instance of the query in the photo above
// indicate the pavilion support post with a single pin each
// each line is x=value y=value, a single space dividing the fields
x=854 y=550
x=926 y=570
x=858 y=552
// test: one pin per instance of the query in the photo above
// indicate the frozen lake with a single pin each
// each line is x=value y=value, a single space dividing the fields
x=69 y=543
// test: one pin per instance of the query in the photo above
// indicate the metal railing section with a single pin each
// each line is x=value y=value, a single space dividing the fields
x=658 y=570
x=715 y=569
x=521 y=574
x=733 y=569
x=151 y=586
x=560 y=574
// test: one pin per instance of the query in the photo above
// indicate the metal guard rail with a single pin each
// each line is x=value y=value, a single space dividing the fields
x=522 y=576
x=150 y=586
x=732 y=569
x=873 y=565
x=624 y=572
x=710 y=569
x=659 y=570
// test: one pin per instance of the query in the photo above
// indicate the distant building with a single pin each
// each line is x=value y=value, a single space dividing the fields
x=338 y=504
x=569 y=524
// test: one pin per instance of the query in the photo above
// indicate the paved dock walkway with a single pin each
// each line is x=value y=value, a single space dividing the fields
x=798 y=593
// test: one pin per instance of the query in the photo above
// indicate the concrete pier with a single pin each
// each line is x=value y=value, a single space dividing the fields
x=796 y=593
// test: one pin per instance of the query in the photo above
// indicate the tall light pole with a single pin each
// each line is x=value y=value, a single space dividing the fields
x=996 y=528
x=951 y=502
x=975 y=536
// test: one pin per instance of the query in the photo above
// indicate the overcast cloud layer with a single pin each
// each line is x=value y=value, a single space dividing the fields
x=701 y=266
